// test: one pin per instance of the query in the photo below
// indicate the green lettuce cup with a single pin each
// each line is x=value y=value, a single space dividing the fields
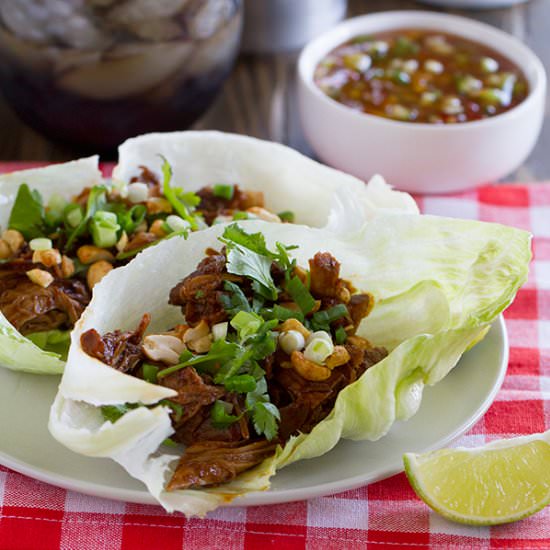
x=436 y=284
x=65 y=226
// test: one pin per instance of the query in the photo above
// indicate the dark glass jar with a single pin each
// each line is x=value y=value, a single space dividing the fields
x=95 y=72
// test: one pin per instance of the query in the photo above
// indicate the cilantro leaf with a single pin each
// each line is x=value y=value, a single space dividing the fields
x=114 y=412
x=221 y=419
x=235 y=301
x=264 y=417
x=27 y=214
x=243 y=261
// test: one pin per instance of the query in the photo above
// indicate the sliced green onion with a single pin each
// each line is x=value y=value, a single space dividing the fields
x=287 y=216
x=223 y=191
x=240 y=215
x=340 y=336
x=104 y=228
x=318 y=350
x=284 y=313
x=241 y=383
x=40 y=244
x=322 y=319
x=176 y=408
x=177 y=223
x=219 y=331
x=300 y=294
x=73 y=215
x=108 y=219
x=171 y=194
x=103 y=237
x=246 y=323
x=169 y=442
x=150 y=373
x=138 y=192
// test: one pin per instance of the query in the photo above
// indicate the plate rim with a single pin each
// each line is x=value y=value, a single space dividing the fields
x=142 y=496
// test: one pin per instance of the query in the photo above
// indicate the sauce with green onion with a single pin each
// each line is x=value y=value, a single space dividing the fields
x=425 y=76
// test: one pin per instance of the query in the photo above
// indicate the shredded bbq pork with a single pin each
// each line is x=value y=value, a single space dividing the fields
x=215 y=455
x=32 y=308
x=212 y=206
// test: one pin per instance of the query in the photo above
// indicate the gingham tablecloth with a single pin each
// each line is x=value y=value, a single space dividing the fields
x=34 y=515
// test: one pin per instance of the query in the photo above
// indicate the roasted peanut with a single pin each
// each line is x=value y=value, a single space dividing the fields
x=294 y=324
x=301 y=273
x=264 y=214
x=67 y=266
x=96 y=272
x=49 y=257
x=308 y=369
x=198 y=338
x=122 y=242
x=362 y=343
x=201 y=345
x=5 y=250
x=194 y=333
x=89 y=254
x=163 y=347
x=40 y=277
x=338 y=357
x=157 y=229
x=14 y=239
x=342 y=293
x=158 y=205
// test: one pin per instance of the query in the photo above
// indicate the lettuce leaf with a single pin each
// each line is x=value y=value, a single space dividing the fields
x=437 y=283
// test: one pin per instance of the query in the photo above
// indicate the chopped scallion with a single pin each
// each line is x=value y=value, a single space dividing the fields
x=223 y=191
x=300 y=294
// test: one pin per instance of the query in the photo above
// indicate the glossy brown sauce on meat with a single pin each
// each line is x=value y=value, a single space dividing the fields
x=215 y=455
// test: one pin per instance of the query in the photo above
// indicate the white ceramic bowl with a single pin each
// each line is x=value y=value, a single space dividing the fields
x=413 y=156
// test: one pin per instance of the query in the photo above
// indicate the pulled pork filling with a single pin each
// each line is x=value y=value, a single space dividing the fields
x=51 y=256
x=254 y=363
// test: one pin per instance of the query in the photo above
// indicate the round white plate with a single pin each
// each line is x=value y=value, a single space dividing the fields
x=448 y=410
x=474 y=4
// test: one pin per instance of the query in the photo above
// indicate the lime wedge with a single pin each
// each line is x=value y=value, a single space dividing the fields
x=504 y=481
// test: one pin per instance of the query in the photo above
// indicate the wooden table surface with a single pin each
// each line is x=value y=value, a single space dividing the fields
x=259 y=98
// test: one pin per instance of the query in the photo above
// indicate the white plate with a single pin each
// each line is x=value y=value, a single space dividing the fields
x=474 y=4
x=448 y=410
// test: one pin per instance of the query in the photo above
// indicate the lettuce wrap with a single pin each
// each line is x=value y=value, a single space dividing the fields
x=437 y=284
x=316 y=195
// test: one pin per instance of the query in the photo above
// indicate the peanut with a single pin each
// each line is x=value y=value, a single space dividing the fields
x=156 y=229
x=67 y=266
x=338 y=357
x=89 y=254
x=96 y=272
x=14 y=239
x=308 y=369
x=5 y=250
x=264 y=214
x=49 y=257
x=163 y=347
x=40 y=277
x=294 y=324
x=158 y=205
x=362 y=343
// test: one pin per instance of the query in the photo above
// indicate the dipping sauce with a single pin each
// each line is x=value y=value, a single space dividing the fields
x=425 y=76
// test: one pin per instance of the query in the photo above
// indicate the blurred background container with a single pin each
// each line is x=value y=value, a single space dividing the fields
x=94 y=73
x=285 y=25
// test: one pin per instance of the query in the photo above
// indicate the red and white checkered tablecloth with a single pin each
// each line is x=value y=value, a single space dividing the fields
x=34 y=515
